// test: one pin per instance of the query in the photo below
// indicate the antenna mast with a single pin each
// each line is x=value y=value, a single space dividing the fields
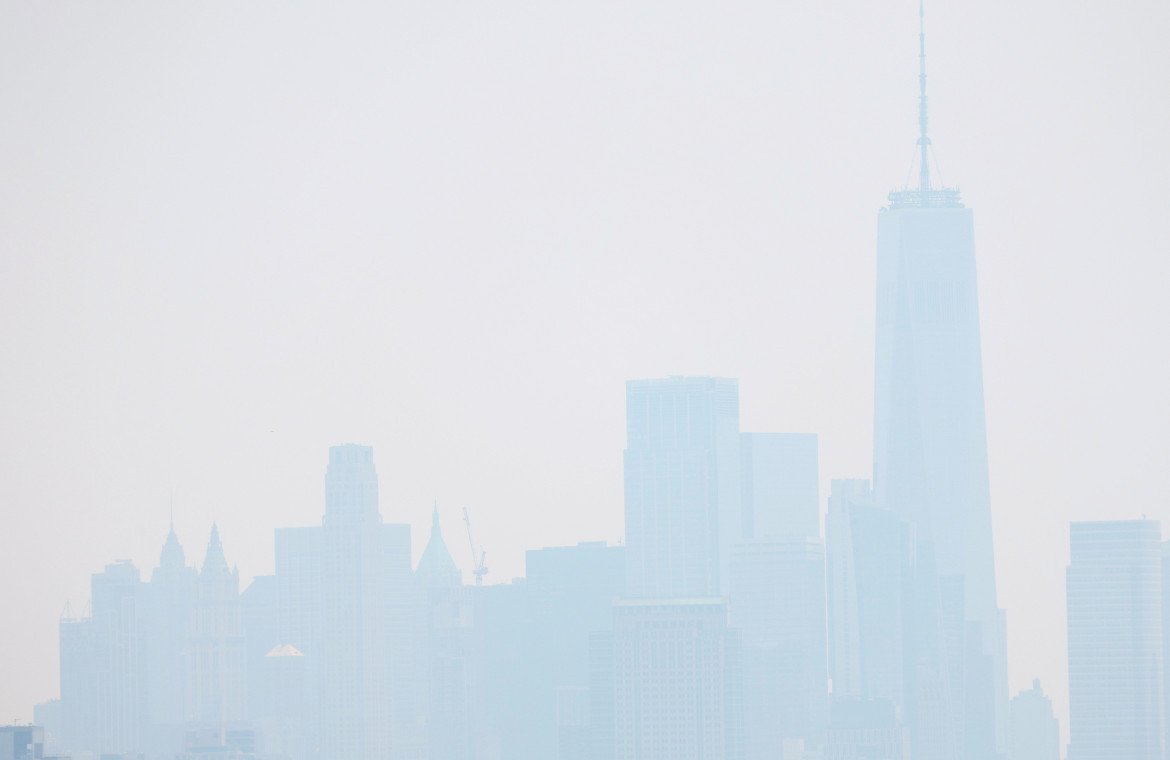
x=923 y=140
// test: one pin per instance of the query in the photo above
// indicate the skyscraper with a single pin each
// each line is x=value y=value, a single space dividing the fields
x=676 y=681
x=870 y=565
x=776 y=591
x=120 y=657
x=537 y=647
x=171 y=593
x=451 y=652
x=779 y=486
x=1115 y=641
x=866 y=729
x=216 y=675
x=570 y=591
x=778 y=604
x=666 y=682
x=1035 y=731
x=682 y=485
x=930 y=439
x=336 y=587
x=1166 y=642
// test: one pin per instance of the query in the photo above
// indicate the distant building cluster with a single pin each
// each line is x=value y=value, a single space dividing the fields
x=727 y=627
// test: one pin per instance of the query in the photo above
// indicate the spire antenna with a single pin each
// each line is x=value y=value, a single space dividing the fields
x=923 y=140
x=926 y=194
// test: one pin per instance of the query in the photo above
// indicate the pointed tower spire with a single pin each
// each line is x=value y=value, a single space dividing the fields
x=923 y=140
x=435 y=567
x=926 y=194
x=214 y=562
x=172 y=557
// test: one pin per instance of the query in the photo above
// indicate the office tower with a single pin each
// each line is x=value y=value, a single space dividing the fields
x=1115 y=641
x=776 y=589
x=676 y=681
x=453 y=660
x=886 y=622
x=930 y=439
x=171 y=596
x=299 y=607
x=336 y=586
x=119 y=657
x=259 y=612
x=777 y=602
x=841 y=589
x=79 y=682
x=1035 y=731
x=362 y=559
x=682 y=486
x=504 y=619
x=570 y=592
x=47 y=715
x=779 y=485
x=216 y=675
x=870 y=576
x=21 y=742
x=866 y=729
x=1166 y=643
x=601 y=696
x=104 y=667
x=280 y=695
x=574 y=741
x=536 y=638
x=283 y=702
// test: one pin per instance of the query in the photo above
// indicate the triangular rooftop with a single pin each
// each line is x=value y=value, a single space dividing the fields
x=436 y=567
x=214 y=563
x=285 y=650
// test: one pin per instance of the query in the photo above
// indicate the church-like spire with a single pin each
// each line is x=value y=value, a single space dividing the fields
x=172 y=557
x=214 y=561
x=436 y=567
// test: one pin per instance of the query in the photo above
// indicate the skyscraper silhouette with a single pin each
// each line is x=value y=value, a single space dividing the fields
x=776 y=590
x=1115 y=640
x=171 y=591
x=930 y=439
x=1035 y=731
x=682 y=485
x=336 y=587
x=216 y=679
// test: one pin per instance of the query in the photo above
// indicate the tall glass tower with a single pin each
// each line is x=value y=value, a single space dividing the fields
x=682 y=486
x=1115 y=599
x=930 y=438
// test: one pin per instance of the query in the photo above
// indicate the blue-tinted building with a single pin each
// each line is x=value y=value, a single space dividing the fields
x=1114 y=584
x=683 y=511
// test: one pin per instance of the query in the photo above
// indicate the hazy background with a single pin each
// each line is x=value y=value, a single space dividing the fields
x=234 y=234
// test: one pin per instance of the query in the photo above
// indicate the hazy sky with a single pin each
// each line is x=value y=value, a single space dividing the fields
x=234 y=234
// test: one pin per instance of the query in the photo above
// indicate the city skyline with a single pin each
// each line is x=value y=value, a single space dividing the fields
x=255 y=475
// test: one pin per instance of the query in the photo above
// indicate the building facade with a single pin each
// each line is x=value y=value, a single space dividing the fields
x=1035 y=731
x=930 y=437
x=336 y=587
x=1114 y=588
x=676 y=681
x=683 y=511
x=780 y=486
x=777 y=604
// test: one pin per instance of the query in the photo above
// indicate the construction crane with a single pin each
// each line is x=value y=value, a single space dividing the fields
x=479 y=569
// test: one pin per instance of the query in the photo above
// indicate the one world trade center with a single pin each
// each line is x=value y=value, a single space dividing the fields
x=930 y=449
